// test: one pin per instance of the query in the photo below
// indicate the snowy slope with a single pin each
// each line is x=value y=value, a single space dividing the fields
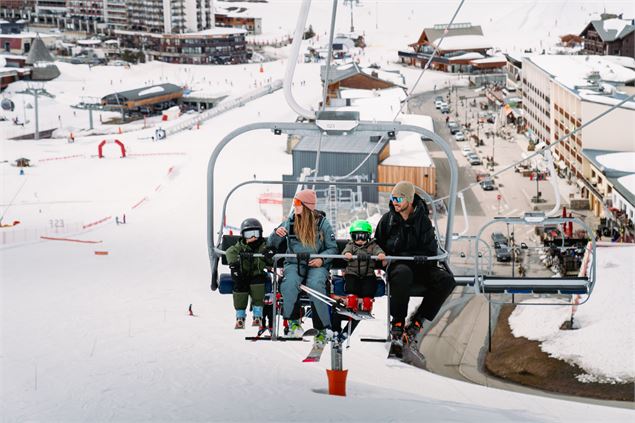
x=90 y=337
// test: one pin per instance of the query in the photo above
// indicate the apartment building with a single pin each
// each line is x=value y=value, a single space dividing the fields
x=561 y=93
x=169 y=16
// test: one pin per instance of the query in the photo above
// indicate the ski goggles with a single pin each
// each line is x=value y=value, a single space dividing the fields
x=397 y=200
x=360 y=236
x=251 y=233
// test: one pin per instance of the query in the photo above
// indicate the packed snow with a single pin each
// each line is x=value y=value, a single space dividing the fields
x=107 y=336
x=623 y=162
x=596 y=346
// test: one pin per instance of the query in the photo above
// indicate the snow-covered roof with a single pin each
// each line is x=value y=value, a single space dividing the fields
x=219 y=31
x=408 y=150
x=627 y=62
x=613 y=29
x=463 y=42
x=595 y=97
x=152 y=90
x=355 y=93
x=422 y=121
x=28 y=35
x=467 y=56
x=622 y=161
x=493 y=59
x=628 y=182
x=573 y=72
x=90 y=42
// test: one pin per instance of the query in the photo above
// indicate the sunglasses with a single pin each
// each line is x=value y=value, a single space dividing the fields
x=297 y=202
x=360 y=236
x=397 y=200
x=251 y=233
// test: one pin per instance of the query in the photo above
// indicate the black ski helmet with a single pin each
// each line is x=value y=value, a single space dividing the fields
x=250 y=223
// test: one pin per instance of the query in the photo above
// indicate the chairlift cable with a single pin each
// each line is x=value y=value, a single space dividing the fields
x=326 y=82
x=456 y=12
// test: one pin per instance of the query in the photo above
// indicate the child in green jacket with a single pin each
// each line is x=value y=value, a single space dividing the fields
x=248 y=272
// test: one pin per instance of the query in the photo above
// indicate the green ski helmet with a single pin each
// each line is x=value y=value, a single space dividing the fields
x=361 y=226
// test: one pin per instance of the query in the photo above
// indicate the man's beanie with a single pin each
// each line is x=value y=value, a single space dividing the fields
x=308 y=198
x=404 y=189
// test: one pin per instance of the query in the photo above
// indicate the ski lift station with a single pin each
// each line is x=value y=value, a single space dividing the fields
x=390 y=160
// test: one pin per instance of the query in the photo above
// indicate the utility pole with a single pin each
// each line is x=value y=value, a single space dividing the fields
x=36 y=92
x=353 y=3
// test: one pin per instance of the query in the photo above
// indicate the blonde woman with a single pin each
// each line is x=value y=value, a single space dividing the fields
x=307 y=231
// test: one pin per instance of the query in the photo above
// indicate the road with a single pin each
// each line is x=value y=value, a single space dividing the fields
x=456 y=342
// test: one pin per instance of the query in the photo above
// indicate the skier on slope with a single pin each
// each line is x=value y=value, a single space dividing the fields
x=248 y=272
x=406 y=230
x=306 y=231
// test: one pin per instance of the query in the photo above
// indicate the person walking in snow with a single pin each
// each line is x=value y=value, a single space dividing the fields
x=248 y=272
x=306 y=231
x=406 y=230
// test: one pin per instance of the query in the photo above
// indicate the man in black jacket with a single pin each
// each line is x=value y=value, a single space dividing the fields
x=406 y=230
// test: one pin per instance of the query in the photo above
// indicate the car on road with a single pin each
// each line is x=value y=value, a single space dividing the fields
x=454 y=127
x=438 y=103
x=438 y=98
x=466 y=150
x=473 y=159
x=488 y=185
x=499 y=238
x=445 y=108
x=503 y=253
x=459 y=136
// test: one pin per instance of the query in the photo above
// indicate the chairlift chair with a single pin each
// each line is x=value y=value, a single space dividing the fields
x=562 y=285
x=327 y=123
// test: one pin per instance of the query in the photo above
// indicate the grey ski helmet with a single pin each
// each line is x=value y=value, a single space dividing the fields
x=249 y=224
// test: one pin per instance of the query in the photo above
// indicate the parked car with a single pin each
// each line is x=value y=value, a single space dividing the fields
x=488 y=185
x=459 y=136
x=454 y=127
x=498 y=237
x=438 y=98
x=467 y=151
x=445 y=108
x=438 y=103
x=474 y=160
x=503 y=253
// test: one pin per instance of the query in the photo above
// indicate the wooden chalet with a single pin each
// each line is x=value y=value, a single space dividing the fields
x=351 y=75
x=610 y=35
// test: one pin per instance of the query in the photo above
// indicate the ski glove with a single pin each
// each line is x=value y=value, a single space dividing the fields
x=269 y=254
x=235 y=272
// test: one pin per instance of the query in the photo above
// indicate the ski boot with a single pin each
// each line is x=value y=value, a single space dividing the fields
x=396 y=342
x=411 y=332
x=240 y=319
x=295 y=329
x=257 y=319
x=240 y=323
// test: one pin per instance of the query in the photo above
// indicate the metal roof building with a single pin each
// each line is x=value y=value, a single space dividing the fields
x=146 y=96
x=339 y=155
